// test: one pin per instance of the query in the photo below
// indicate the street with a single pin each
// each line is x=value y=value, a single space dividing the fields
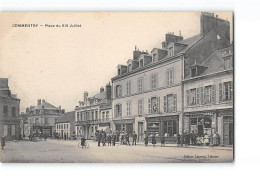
x=58 y=151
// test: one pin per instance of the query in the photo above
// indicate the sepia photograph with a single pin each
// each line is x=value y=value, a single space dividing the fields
x=117 y=87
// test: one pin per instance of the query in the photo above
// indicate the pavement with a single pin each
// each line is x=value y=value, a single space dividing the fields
x=60 y=151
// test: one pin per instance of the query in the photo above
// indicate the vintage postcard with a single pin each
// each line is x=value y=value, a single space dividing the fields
x=116 y=87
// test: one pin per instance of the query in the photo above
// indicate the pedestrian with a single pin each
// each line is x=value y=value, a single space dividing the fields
x=109 y=140
x=195 y=138
x=178 y=140
x=183 y=139
x=122 y=139
x=192 y=135
x=45 y=137
x=3 y=142
x=146 y=140
x=134 y=138
x=127 y=139
x=104 y=137
x=99 y=138
x=162 y=141
x=82 y=141
x=218 y=139
x=65 y=136
x=153 y=140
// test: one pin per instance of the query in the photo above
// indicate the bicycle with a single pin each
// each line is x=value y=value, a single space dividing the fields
x=86 y=145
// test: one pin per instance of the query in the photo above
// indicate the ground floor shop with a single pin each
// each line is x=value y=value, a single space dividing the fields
x=124 y=126
x=88 y=131
x=43 y=130
x=206 y=124
x=167 y=126
x=10 y=129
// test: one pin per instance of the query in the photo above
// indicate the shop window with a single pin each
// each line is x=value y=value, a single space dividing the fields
x=118 y=127
x=169 y=128
x=153 y=127
x=193 y=121
x=123 y=127
x=207 y=123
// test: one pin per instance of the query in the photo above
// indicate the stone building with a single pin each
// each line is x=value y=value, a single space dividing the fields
x=208 y=106
x=148 y=92
x=94 y=113
x=9 y=112
x=41 y=119
x=65 y=125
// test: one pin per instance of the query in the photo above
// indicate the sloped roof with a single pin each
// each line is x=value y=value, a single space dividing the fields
x=46 y=106
x=67 y=117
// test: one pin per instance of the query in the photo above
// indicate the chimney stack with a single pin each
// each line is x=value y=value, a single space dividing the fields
x=43 y=100
x=101 y=89
x=39 y=102
x=108 y=91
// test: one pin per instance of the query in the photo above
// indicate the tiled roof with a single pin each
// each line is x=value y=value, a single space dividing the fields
x=46 y=106
x=67 y=117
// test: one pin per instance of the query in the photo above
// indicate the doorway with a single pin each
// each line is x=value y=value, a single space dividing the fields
x=140 y=131
x=231 y=133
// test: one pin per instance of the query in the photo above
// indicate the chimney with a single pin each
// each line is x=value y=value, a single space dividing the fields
x=39 y=102
x=85 y=96
x=43 y=101
x=136 y=54
x=108 y=91
x=101 y=89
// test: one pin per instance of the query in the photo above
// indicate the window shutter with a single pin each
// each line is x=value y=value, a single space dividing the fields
x=213 y=94
x=201 y=95
x=198 y=96
x=115 y=114
x=149 y=106
x=188 y=97
x=165 y=104
x=172 y=75
x=174 y=102
x=167 y=77
x=158 y=104
x=232 y=90
x=220 y=92
x=129 y=87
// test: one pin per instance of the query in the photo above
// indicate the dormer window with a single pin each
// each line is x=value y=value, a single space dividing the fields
x=155 y=57
x=129 y=67
x=96 y=100
x=228 y=63
x=193 y=71
x=119 y=71
x=171 y=51
x=141 y=63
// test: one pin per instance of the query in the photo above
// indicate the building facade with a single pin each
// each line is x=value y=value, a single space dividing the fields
x=65 y=125
x=148 y=92
x=208 y=108
x=40 y=119
x=94 y=113
x=10 y=110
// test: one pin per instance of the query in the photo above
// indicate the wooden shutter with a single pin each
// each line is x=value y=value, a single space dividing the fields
x=165 y=104
x=213 y=100
x=174 y=102
x=220 y=92
x=232 y=90
x=188 y=97
x=149 y=106
x=198 y=96
x=158 y=104
x=120 y=110
x=115 y=114
x=115 y=92
x=201 y=95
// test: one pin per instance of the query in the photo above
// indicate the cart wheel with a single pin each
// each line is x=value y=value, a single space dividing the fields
x=79 y=145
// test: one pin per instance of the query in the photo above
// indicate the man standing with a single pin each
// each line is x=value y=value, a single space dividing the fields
x=134 y=138
x=127 y=139
x=99 y=138
x=3 y=142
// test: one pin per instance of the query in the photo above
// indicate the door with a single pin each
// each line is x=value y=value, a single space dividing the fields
x=231 y=133
x=200 y=130
x=140 y=131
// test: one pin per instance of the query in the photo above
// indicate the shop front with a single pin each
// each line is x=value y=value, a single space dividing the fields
x=42 y=130
x=167 y=126
x=226 y=127
x=125 y=126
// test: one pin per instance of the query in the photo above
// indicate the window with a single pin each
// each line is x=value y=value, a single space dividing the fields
x=171 y=52
x=92 y=115
x=154 y=105
x=5 y=110
x=128 y=88
x=118 y=91
x=37 y=121
x=118 y=110
x=78 y=116
x=5 y=130
x=170 y=128
x=128 y=108
x=13 y=130
x=103 y=116
x=87 y=114
x=107 y=115
x=129 y=67
x=96 y=115
x=169 y=76
x=140 y=84
x=170 y=103
x=141 y=63
x=13 y=111
x=140 y=107
x=67 y=126
x=154 y=81
x=46 y=121
x=193 y=96
x=208 y=94
x=193 y=72
x=228 y=63
x=155 y=57
x=227 y=91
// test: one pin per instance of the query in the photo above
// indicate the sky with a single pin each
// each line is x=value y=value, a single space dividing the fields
x=58 y=64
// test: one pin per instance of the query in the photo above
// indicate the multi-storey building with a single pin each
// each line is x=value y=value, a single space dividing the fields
x=94 y=113
x=65 y=125
x=148 y=92
x=41 y=119
x=208 y=107
x=9 y=112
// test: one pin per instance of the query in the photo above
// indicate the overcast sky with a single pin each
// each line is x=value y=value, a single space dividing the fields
x=59 y=64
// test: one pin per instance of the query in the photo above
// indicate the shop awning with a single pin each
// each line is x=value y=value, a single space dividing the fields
x=104 y=128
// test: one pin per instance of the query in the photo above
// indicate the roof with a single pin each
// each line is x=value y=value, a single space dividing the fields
x=67 y=117
x=46 y=106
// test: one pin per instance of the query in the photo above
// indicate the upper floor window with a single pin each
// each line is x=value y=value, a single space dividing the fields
x=171 y=52
x=170 y=103
x=37 y=121
x=228 y=63
x=193 y=71
x=118 y=91
x=169 y=76
x=5 y=110
x=14 y=111
x=96 y=115
x=140 y=84
x=46 y=121
x=128 y=88
x=140 y=107
x=201 y=95
x=155 y=57
x=103 y=116
x=128 y=108
x=118 y=110
x=207 y=94
x=154 y=105
x=154 y=81
x=107 y=115
x=228 y=91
